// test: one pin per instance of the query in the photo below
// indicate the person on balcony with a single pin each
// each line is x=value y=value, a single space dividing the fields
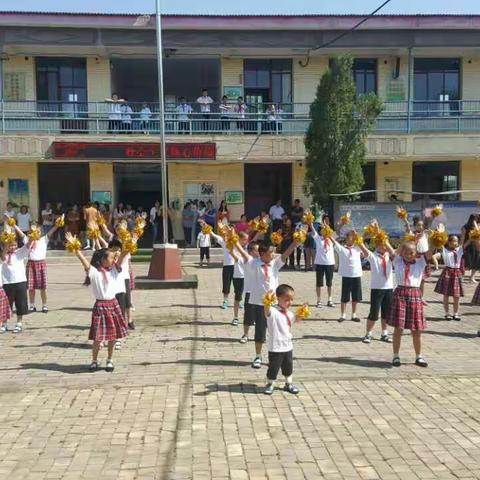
x=127 y=112
x=224 y=113
x=115 y=113
x=145 y=116
x=205 y=102
x=183 y=111
x=240 y=109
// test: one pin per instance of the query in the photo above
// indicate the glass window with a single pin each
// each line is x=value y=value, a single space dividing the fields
x=365 y=75
x=432 y=177
x=434 y=77
x=370 y=182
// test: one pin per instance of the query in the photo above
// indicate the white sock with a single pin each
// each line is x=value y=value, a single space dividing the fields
x=289 y=379
x=419 y=356
x=330 y=299
x=342 y=315
x=369 y=332
x=385 y=332
x=354 y=315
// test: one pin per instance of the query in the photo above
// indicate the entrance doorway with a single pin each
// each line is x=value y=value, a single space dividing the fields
x=266 y=183
x=68 y=183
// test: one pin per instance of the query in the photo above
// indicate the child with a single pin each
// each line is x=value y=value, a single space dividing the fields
x=239 y=278
x=406 y=308
x=450 y=282
x=350 y=269
x=264 y=277
x=280 y=346
x=227 y=270
x=381 y=282
x=324 y=264
x=37 y=270
x=108 y=323
x=14 y=277
x=248 y=318
x=5 y=310
x=204 y=242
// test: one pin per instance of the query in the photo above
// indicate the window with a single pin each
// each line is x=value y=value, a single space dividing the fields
x=370 y=182
x=432 y=177
x=365 y=75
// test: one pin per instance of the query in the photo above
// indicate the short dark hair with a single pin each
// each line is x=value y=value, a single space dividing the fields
x=251 y=245
x=114 y=243
x=283 y=289
x=263 y=247
x=297 y=200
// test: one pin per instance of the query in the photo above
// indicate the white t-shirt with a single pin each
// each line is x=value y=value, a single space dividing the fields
x=422 y=244
x=125 y=268
x=47 y=218
x=38 y=250
x=205 y=102
x=276 y=212
x=323 y=256
x=23 y=221
x=248 y=274
x=13 y=271
x=416 y=271
x=263 y=278
x=449 y=257
x=380 y=279
x=239 y=268
x=104 y=286
x=9 y=213
x=203 y=240
x=350 y=261
x=279 y=335
x=228 y=260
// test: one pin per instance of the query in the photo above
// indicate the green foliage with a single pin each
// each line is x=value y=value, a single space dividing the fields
x=335 y=140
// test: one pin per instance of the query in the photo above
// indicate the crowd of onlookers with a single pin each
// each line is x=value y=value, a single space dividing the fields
x=204 y=115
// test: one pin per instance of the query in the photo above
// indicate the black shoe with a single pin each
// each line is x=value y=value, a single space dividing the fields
x=396 y=361
x=356 y=319
x=93 y=366
x=421 y=362
x=131 y=326
x=291 y=388
x=269 y=389
x=457 y=318
x=386 y=339
x=341 y=319
x=109 y=367
x=330 y=304
x=448 y=317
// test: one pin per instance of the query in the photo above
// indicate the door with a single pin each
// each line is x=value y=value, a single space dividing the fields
x=266 y=183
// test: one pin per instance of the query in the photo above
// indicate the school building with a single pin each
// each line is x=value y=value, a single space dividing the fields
x=60 y=140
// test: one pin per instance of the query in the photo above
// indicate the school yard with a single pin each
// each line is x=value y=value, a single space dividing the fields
x=184 y=403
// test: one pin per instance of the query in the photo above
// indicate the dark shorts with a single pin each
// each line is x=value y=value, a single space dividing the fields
x=17 y=294
x=324 y=271
x=277 y=361
x=247 y=312
x=227 y=277
x=204 y=253
x=380 y=301
x=128 y=294
x=258 y=316
x=351 y=289
x=238 y=288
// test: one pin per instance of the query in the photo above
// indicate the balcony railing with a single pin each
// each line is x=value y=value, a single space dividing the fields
x=99 y=118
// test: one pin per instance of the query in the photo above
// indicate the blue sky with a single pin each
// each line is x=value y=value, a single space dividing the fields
x=245 y=6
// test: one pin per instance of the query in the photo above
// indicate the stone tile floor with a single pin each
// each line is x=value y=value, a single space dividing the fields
x=184 y=403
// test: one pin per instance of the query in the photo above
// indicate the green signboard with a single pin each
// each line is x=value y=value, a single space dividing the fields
x=102 y=197
x=233 y=92
x=234 y=198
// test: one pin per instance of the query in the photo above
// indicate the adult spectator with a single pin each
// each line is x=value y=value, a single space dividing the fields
x=296 y=212
x=90 y=215
x=210 y=215
x=242 y=225
x=153 y=215
x=72 y=220
x=59 y=236
x=276 y=213
x=118 y=214
x=129 y=215
x=223 y=213
x=145 y=116
x=47 y=218
x=24 y=219
x=127 y=112
x=183 y=111
x=115 y=113
x=159 y=220
x=205 y=102
x=240 y=109
x=188 y=216
x=9 y=212
x=224 y=108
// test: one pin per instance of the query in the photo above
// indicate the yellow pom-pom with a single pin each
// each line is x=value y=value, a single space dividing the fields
x=11 y=222
x=8 y=237
x=253 y=224
x=402 y=213
x=269 y=299
x=358 y=239
x=130 y=246
x=93 y=233
x=207 y=229
x=73 y=245
x=380 y=238
x=409 y=237
x=232 y=240
x=475 y=234
x=123 y=233
x=308 y=217
x=138 y=231
x=345 y=219
x=303 y=311
x=140 y=221
x=60 y=222
x=263 y=225
x=34 y=234
x=223 y=231
x=438 y=239
x=327 y=232
x=300 y=236
x=370 y=230
x=101 y=220
x=437 y=211
x=276 y=238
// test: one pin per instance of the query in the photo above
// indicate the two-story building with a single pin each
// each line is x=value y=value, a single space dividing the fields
x=61 y=141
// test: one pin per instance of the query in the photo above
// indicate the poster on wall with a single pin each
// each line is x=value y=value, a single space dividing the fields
x=18 y=192
x=234 y=198
x=232 y=93
x=102 y=197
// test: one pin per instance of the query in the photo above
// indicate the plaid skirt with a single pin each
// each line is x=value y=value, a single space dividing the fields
x=450 y=282
x=5 y=310
x=476 y=296
x=132 y=276
x=36 y=275
x=108 y=322
x=406 y=309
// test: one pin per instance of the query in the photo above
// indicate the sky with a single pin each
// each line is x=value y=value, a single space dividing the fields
x=227 y=7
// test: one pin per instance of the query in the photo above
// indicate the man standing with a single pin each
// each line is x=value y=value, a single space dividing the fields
x=276 y=212
x=296 y=212
x=205 y=102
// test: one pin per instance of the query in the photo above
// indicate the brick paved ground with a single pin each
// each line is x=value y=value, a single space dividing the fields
x=183 y=402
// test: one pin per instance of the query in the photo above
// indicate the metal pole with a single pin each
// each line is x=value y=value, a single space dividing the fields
x=409 y=89
x=163 y=156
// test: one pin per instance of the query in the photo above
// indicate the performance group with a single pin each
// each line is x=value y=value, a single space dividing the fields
x=251 y=263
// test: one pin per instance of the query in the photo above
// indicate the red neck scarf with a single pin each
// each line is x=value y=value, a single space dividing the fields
x=455 y=255
x=104 y=272
x=8 y=257
x=406 y=274
x=384 y=264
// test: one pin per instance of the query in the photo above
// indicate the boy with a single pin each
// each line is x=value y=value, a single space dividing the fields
x=264 y=277
x=280 y=346
x=239 y=278
x=248 y=319
x=227 y=270
x=204 y=243
x=350 y=269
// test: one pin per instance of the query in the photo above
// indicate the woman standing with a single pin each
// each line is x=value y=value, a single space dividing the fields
x=187 y=223
x=72 y=220
x=471 y=255
x=24 y=219
x=210 y=214
x=223 y=213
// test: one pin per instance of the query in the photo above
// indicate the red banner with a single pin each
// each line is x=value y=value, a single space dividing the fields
x=132 y=151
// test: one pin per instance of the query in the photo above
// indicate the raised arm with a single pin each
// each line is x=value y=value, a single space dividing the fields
x=291 y=248
x=52 y=231
x=246 y=257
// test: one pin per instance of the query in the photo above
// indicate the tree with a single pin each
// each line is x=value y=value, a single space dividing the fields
x=335 y=139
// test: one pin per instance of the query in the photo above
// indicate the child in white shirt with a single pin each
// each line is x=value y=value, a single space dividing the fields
x=350 y=269
x=227 y=270
x=248 y=318
x=204 y=243
x=280 y=346
x=239 y=277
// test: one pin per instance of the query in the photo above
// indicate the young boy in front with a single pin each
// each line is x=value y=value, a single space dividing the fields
x=280 y=346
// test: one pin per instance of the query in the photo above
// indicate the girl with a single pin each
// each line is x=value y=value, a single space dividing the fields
x=471 y=253
x=5 y=310
x=108 y=323
x=238 y=278
x=406 y=308
x=450 y=282
x=14 y=278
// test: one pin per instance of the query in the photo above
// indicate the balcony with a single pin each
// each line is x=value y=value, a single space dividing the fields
x=99 y=118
